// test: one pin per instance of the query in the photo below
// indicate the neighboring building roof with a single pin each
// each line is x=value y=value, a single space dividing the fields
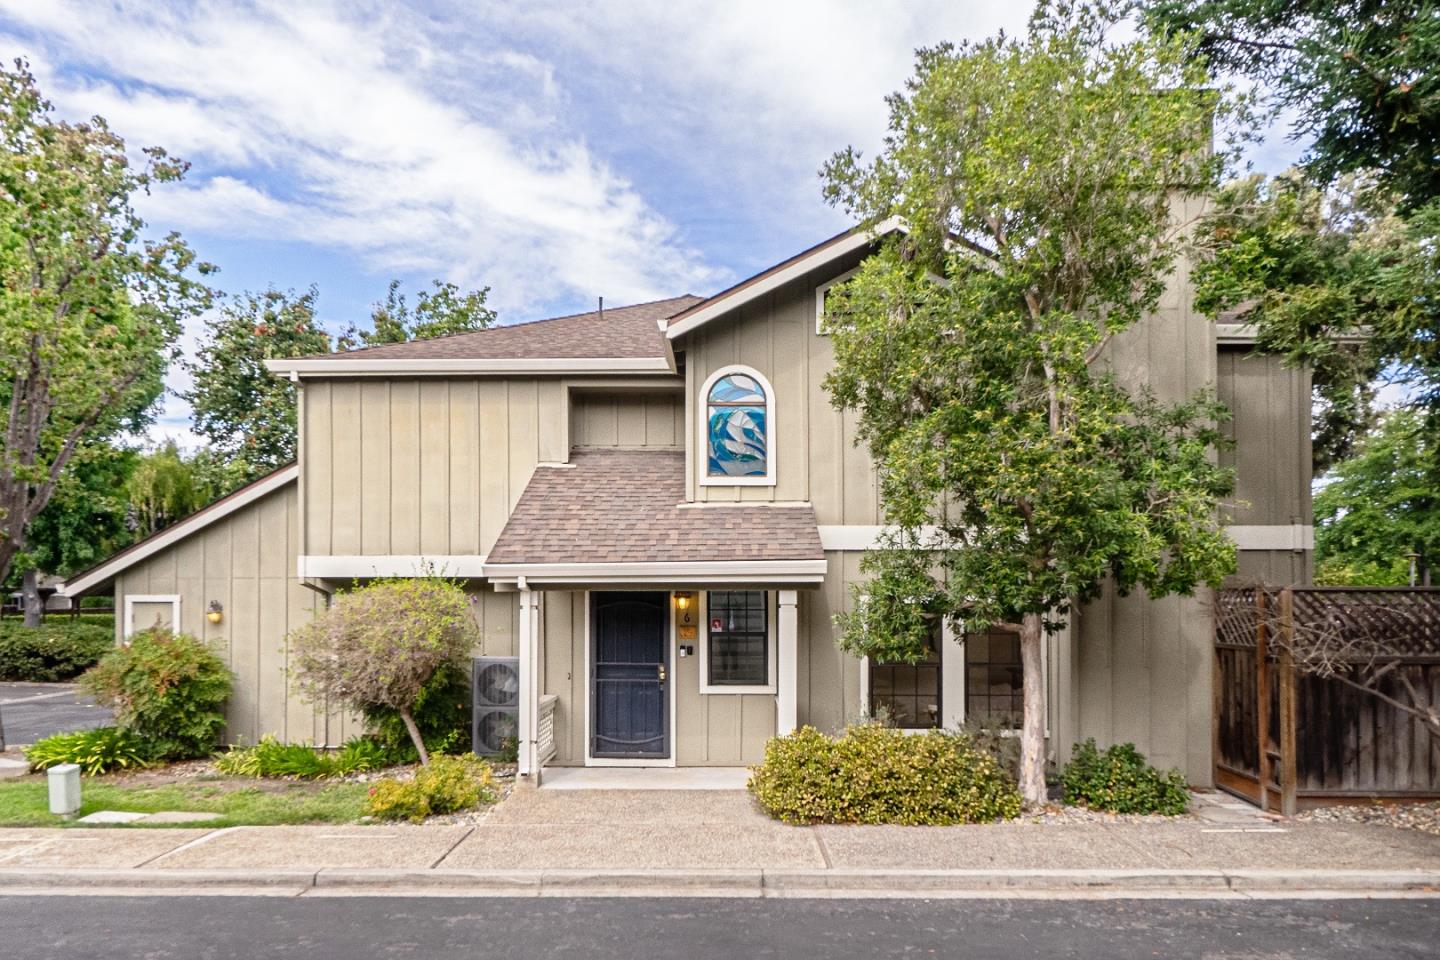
x=624 y=507
x=827 y=251
x=619 y=339
x=226 y=505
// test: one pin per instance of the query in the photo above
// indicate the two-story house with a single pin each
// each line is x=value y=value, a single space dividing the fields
x=657 y=509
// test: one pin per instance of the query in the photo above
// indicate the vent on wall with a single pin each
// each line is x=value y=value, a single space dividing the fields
x=495 y=683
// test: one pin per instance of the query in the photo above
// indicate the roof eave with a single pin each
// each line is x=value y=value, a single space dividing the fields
x=777 y=276
x=107 y=569
x=497 y=366
x=799 y=572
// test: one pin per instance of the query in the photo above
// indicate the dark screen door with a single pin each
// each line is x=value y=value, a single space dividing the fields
x=630 y=702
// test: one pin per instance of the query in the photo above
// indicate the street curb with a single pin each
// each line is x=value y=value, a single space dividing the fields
x=736 y=882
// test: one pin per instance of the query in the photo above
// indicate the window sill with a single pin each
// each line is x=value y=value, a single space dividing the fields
x=708 y=481
x=710 y=689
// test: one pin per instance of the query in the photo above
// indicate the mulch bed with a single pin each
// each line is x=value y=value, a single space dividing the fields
x=1424 y=817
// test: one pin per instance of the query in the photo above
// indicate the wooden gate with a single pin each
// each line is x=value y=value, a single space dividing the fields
x=1293 y=726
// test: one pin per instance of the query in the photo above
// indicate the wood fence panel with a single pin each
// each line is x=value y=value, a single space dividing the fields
x=1296 y=738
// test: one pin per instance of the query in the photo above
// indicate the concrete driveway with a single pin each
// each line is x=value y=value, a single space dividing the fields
x=33 y=711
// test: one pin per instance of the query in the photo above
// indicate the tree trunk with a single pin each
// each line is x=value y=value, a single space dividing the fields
x=1032 y=730
x=415 y=737
x=30 y=597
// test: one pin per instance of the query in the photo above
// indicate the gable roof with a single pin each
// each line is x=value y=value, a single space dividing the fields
x=106 y=569
x=827 y=251
x=619 y=339
x=613 y=508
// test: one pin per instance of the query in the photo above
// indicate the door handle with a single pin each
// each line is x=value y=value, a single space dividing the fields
x=660 y=672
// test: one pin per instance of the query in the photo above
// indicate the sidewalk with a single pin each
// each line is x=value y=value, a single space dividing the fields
x=715 y=842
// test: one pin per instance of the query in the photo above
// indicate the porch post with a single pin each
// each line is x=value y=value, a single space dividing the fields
x=528 y=647
x=786 y=680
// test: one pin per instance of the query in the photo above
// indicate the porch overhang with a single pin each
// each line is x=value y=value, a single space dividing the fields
x=617 y=518
x=658 y=574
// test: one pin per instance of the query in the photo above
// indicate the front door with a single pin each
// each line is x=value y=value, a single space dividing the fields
x=630 y=700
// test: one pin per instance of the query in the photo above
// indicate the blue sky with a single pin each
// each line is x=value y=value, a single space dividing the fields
x=555 y=152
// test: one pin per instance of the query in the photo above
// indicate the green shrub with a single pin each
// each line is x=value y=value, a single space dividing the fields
x=271 y=758
x=96 y=751
x=997 y=738
x=442 y=712
x=874 y=774
x=1120 y=781
x=58 y=650
x=167 y=689
x=446 y=785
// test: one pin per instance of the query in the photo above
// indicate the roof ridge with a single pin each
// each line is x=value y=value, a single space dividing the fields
x=504 y=326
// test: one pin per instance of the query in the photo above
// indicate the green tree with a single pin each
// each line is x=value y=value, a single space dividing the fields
x=1380 y=506
x=1334 y=278
x=90 y=310
x=85 y=521
x=1358 y=76
x=380 y=644
x=166 y=486
x=1036 y=176
x=245 y=412
x=437 y=313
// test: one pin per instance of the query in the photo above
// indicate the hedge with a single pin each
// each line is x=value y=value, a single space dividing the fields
x=57 y=650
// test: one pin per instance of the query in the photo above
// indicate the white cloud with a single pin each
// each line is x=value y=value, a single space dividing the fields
x=328 y=122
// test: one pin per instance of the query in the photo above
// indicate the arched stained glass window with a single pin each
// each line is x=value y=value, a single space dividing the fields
x=737 y=418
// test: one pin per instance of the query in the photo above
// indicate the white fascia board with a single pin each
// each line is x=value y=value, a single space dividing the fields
x=495 y=365
x=1287 y=536
x=177 y=532
x=1244 y=335
x=734 y=571
x=723 y=303
x=361 y=566
x=852 y=536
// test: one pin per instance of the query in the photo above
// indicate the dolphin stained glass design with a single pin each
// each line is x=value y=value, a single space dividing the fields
x=737 y=417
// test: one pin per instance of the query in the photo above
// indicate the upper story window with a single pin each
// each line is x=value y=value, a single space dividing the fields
x=822 y=295
x=738 y=422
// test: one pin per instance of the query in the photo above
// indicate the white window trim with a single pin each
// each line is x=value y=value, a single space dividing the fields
x=702 y=434
x=954 y=693
x=171 y=598
x=820 y=292
x=771 y=649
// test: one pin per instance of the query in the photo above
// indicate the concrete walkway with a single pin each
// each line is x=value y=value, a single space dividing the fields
x=717 y=842
x=644 y=778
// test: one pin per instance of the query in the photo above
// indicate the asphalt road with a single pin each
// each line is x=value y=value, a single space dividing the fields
x=31 y=711
x=598 y=929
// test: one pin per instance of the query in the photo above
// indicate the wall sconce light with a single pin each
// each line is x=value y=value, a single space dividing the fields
x=682 y=600
x=215 y=613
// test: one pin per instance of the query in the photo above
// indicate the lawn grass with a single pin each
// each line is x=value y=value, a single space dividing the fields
x=26 y=804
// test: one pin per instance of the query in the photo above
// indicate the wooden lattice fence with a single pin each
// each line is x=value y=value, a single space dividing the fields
x=1327 y=694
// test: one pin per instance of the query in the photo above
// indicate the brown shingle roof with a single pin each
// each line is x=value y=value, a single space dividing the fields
x=622 y=506
x=621 y=332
